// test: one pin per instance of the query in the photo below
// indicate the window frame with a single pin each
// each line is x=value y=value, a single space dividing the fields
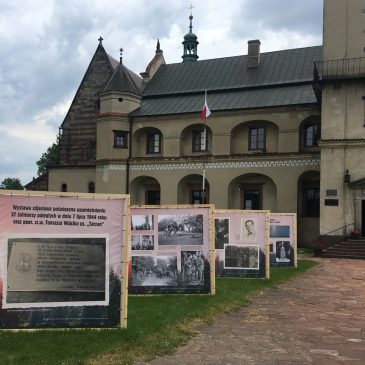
x=151 y=143
x=316 y=135
x=198 y=141
x=250 y=139
x=246 y=188
x=119 y=134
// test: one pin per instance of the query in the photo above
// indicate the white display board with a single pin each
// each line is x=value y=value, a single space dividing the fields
x=283 y=239
x=242 y=243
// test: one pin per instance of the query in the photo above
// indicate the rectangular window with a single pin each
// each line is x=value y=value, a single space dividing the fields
x=257 y=138
x=199 y=141
x=310 y=202
x=120 y=139
x=153 y=143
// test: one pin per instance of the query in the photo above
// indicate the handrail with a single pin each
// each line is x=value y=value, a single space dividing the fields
x=350 y=224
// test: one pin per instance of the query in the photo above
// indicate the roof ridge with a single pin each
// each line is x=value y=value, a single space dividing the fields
x=245 y=55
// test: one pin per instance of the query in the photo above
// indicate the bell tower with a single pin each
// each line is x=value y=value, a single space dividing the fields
x=190 y=42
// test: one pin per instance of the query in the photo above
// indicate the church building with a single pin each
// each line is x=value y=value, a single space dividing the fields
x=286 y=130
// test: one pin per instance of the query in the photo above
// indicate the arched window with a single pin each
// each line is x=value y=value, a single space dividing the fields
x=91 y=187
x=64 y=188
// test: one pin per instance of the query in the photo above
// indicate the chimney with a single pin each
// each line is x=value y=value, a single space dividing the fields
x=253 y=53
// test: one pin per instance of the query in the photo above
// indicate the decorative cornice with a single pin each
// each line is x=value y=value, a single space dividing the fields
x=350 y=142
x=223 y=165
x=113 y=114
x=115 y=167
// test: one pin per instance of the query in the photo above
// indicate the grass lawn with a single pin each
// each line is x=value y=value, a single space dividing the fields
x=156 y=326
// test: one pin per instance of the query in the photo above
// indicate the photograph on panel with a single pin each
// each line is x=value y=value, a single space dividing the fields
x=142 y=222
x=248 y=229
x=284 y=251
x=182 y=230
x=279 y=231
x=142 y=242
x=221 y=232
x=192 y=267
x=241 y=256
x=50 y=270
x=154 y=270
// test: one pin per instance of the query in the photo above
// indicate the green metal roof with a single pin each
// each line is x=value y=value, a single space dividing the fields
x=282 y=78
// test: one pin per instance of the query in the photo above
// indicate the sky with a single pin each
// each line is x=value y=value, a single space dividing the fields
x=47 y=45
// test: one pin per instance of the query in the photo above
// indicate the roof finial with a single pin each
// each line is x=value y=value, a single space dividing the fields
x=191 y=7
x=121 y=55
x=100 y=40
x=158 y=45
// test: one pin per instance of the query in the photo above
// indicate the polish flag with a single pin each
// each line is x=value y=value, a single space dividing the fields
x=205 y=111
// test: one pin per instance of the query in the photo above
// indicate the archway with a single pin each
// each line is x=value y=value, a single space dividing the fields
x=195 y=140
x=257 y=136
x=308 y=207
x=190 y=190
x=147 y=141
x=145 y=190
x=252 y=192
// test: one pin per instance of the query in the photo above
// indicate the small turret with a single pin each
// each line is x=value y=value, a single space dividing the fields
x=190 y=43
x=154 y=65
x=122 y=92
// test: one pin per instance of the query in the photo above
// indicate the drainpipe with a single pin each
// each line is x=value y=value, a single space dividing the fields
x=129 y=154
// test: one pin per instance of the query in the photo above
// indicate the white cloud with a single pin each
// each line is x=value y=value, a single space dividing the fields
x=47 y=46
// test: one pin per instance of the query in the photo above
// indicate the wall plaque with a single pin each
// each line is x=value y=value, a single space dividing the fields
x=331 y=202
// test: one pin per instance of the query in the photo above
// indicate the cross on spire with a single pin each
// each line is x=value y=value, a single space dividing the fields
x=191 y=7
x=121 y=54
x=100 y=40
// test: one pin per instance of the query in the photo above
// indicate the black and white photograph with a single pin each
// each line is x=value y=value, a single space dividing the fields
x=154 y=270
x=241 y=257
x=142 y=222
x=283 y=251
x=221 y=232
x=279 y=231
x=248 y=230
x=180 y=229
x=192 y=267
x=142 y=242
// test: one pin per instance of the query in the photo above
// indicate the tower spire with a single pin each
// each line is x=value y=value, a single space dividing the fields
x=190 y=42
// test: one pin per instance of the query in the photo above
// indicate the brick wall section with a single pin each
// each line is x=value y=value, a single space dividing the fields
x=79 y=126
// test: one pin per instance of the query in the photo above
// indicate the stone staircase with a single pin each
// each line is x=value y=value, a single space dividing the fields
x=351 y=249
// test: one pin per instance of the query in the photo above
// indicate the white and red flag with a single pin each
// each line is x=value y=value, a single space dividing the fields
x=205 y=111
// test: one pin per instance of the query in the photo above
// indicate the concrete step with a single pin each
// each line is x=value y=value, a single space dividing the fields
x=343 y=256
x=360 y=240
x=350 y=248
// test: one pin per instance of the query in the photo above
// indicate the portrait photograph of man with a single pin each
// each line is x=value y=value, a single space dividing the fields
x=248 y=230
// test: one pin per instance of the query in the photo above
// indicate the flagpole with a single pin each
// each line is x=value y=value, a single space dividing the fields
x=205 y=148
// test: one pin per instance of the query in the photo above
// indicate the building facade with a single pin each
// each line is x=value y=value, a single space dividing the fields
x=278 y=137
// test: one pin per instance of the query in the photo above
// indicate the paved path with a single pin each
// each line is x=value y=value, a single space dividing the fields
x=318 y=318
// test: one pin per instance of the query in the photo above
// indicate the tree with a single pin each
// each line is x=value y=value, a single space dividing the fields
x=11 y=183
x=49 y=158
